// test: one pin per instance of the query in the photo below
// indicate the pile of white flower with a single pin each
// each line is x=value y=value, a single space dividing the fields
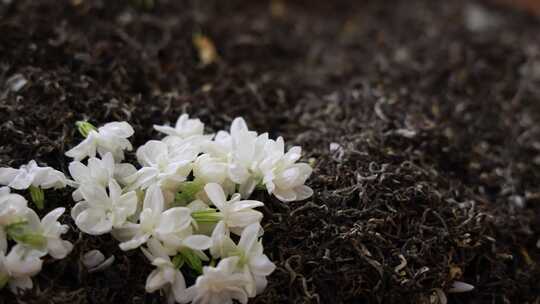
x=30 y=238
x=187 y=207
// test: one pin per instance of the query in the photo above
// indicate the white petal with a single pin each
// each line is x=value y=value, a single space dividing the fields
x=238 y=173
x=93 y=258
x=55 y=180
x=94 y=194
x=247 y=187
x=245 y=204
x=86 y=148
x=244 y=218
x=106 y=264
x=238 y=125
x=174 y=219
x=50 y=221
x=114 y=190
x=7 y=175
x=303 y=192
x=292 y=155
x=150 y=153
x=216 y=195
x=459 y=287
x=58 y=248
x=121 y=129
x=165 y=129
x=262 y=266
x=249 y=237
x=155 y=281
x=22 y=181
x=157 y=250
x=288 y=178
x=154 y=199
x=260 y=282
x=23 y=262
x=179 y=286
x=125 y=206
x=93 y=221
x=143 y=178
x=198 y=242
x=285 y=195
x=121 y=171
x=126 y=232
x=135 y=242
x=32 y=219
x=78 y=171
x=78 y=208
x=228 y=265
x=197 y=205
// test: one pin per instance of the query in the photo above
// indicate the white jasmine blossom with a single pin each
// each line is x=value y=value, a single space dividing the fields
x=166 y=276
x=184 y=128
x=282 y=176
x=112 y=137
x=12 y=207
x=187 y=185
x=43 y=235
x=98 y=213
x=246 y=154
x=253 y=262
x=208 y=169
x=222 y=245
x=32 y=175
x=19 y=266
x=235 y=213
x=51 y=229
x=162 y=167
x=98 y=171
x=220 y=284
x=176 y=232
x=154 y=221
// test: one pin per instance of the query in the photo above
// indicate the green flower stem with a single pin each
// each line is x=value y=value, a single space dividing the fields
x=85 y=127
x=38 y=197
x=178 y=261
x=192 y=260
x=207 y=216
x=188 y=191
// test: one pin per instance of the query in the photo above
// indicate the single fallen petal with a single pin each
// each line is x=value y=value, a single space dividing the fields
x=458 y=287
x=95 y=261
x=93 y=258
x=16 y=82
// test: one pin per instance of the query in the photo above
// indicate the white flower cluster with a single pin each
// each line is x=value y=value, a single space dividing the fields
x=187 y=205
x=21 y=229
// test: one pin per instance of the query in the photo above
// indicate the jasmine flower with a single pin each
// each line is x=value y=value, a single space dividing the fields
x=111 y=137
x=220 y=284
x=32 y=175
x=98 y=171
x=98 y=213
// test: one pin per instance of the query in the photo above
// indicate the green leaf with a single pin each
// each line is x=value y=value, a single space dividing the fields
x=192 y=260
x=38 y=197
x=178 y=261
x=188 y=191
